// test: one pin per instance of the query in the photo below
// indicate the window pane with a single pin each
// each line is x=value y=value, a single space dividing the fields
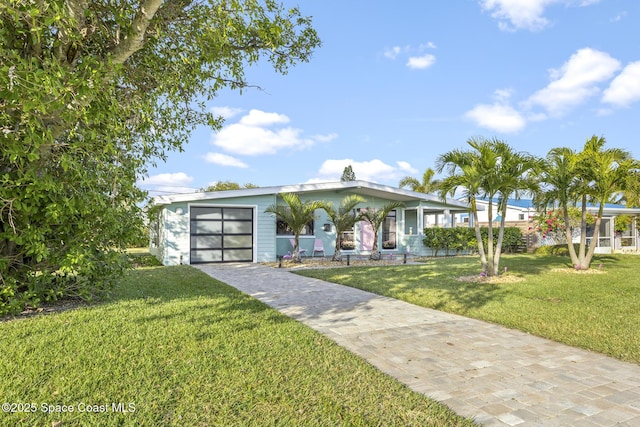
x=206 y=213
x=206 y=256
x=238 y=213
x=200 y=242
x=236 y=227
x=238 y=255
x=237 y=242
x=206 y=227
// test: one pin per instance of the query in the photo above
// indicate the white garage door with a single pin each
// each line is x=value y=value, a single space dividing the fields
x=221 y=234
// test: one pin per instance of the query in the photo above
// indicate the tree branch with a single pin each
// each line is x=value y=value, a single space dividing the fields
x=134 y=41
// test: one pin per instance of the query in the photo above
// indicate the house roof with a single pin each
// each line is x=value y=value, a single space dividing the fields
x=527 y=204
x=364 y=188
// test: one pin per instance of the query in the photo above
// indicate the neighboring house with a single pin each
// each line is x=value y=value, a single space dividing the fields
x=231 y=226
x=522 y=213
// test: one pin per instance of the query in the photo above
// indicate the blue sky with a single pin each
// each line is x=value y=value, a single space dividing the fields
x=395 y=85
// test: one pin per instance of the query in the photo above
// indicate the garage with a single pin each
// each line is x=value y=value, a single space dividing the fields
x=221 y=234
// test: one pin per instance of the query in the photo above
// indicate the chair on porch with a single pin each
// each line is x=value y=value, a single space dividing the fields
x=318 y=246
x=301 y=251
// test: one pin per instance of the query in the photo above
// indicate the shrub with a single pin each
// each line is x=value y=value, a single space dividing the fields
x=461 y=239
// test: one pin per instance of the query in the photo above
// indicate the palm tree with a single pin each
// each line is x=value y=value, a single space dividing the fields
x=427 y=185
x=606 y=172
x=376 y=217
x=490 y=169
x=595 y=175
x=515 y=176
x=296 y=214
x=343 y=218
x=559 y=187
x=465 y=175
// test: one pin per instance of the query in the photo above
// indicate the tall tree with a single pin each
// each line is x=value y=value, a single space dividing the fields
x=427 y=185
x=343 y=218
x=296 y=214
x=490 y=169
x=515 y=177
x=376 y=217
x=596 y=175
x=91 y=92
x=348 y=174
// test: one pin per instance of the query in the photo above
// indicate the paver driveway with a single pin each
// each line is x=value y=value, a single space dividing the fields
x=495 y=375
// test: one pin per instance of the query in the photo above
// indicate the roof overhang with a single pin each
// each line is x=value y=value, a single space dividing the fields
x=363 y=188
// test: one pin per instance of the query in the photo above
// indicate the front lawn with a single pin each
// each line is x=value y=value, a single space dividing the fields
x=176 y=347
x=597 y=310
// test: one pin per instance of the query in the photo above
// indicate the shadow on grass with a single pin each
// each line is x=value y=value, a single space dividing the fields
x=170 y=293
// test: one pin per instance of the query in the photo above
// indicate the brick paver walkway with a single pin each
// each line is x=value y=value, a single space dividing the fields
x=495 y=375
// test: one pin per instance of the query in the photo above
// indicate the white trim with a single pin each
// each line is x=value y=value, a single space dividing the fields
x=382 y=191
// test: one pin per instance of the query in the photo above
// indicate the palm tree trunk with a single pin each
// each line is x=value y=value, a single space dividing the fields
x=569 y=237
x=490 y=261
x=496 y=256
x=476 y=226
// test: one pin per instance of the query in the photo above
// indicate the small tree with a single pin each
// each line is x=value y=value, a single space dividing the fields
x=343 y=218
x=427 y=185
x=348 y=174
x=296 y=214
x=376 y=217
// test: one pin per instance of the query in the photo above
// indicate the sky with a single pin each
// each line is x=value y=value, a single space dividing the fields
x=397 y=84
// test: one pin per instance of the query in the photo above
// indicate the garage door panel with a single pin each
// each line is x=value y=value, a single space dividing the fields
x=238 y=213
x=238 y=255
x=237 y=227
x=237 y=242
x=206 y=242
x=206 y=256
x=200 y=213
x=206 y=227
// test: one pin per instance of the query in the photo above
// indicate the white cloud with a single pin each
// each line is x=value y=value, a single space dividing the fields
x=393 y=52
x=406 y=167
x=416 y=58
x=575 y=81
x=498 y=117
x=258 y=133
x=224 y=160
x=166 y=183
x=421 y=62
x=516 y=15
x=625 y=88
x=374 y=170
x=618 y=17
x=261 y=118
x=226 y=112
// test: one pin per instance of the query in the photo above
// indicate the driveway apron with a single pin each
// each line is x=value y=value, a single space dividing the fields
x=494 y=375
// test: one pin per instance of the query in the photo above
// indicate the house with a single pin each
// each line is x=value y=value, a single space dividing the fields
x=232 y=226
x=618 y=229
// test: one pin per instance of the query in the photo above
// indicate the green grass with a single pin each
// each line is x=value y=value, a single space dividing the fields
x=186 y=350
x=599 y=312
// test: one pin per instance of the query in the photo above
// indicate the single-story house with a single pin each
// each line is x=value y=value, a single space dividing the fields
x=611 y=239
x=232 y=226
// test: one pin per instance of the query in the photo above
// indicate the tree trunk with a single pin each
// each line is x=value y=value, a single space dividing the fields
x=476 y=226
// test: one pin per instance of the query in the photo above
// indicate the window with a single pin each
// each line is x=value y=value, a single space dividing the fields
x=389 y=235
x=283 y=229
x=521 y=217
